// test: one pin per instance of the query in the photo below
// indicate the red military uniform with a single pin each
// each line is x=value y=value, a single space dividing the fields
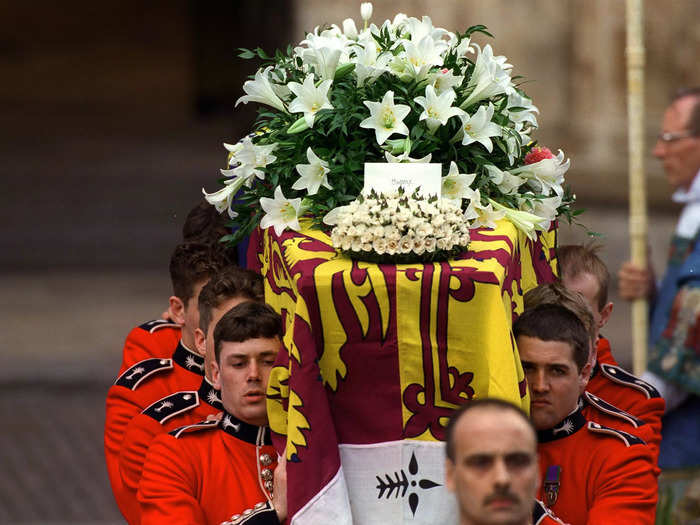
x=176 y=410
x=155 y=338
x=604 y=352
x=137 y=388
x=596 y=475
x=600 y=411
x=541 y=515
x=629 y=393
x=209 y=473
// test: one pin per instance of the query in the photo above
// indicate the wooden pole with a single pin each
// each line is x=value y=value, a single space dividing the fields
x=637 y=182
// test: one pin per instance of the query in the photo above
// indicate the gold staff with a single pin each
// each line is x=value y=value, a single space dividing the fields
x=637 y=183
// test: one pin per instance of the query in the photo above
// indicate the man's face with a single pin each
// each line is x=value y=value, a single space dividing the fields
x=216 y=315
x=495 y=474
x=242 y=373
x=681 y=157
x=554 y=381
x=587 y=285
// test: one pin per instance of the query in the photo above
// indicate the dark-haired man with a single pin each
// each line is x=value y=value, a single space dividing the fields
x=613 y=396
x=593 y=474
x=224 y=290
x=152 y=378
x=222 y=472
x=491 y=465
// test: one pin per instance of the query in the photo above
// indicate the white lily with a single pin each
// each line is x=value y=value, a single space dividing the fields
x=249 y=159
x=309 y=98
x=350 y=29
x=260 y=90
x=525 y=221
x=419 y=29
x=369 y=65
x=222 y=199
x=547 y=174
x=403 y=157
x=479 y=128
x=524 y=116
x=421 y=56
x=464 y=47
x=280 y=213
x=313 y=174
x=481 y=215
x=489 y=78
x=455 y=185
x=506 y=181
x=437 y=109
x=546 y=209
x=386 y=118
x=332 y=217
x=366 y=12
x=445 y=80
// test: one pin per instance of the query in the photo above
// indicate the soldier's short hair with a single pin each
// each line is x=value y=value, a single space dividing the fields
x=248 y=320
x=191 y=263
x=557 y=293
x=577 y=259
x=227 y=284
x=554 y=322
x=481 y=404
x=206 y=225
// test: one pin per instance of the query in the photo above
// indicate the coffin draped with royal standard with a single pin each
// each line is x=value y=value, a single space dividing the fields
x=377 y=355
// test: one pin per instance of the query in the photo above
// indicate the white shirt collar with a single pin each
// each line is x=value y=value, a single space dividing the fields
x=691 y=194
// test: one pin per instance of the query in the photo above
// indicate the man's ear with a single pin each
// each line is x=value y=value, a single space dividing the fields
x=215 y=375
x=200 y=342
x=605 y=315
x=176 y=310
x=584 y=376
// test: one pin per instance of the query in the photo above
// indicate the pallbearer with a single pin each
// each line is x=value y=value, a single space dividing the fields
x=226 y=471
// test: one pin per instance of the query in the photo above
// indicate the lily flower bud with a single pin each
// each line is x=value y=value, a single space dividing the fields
x=366 y=11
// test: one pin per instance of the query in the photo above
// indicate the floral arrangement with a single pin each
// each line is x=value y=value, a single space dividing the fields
x=405 y=91
x=397 y=228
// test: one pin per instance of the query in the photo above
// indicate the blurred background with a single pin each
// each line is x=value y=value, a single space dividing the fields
x=112 y=116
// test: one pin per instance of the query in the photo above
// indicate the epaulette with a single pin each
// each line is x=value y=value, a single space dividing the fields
x=172 y=405
x=202 y=425
x=612 y=410
x=628 y=439
x=157 y=324
x=622 y=376
x=132 y=377
x=262 y=514
x=541 y=513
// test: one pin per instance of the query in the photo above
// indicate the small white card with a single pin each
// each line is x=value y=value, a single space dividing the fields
x=386 y=177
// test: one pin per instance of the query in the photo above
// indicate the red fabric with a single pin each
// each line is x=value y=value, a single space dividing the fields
x=603 y=481
x=645 y=431
x=143 y=344
x=604 y=352
x=139 y=435
x=123 y=404
x=203 y=477
x=627 y=398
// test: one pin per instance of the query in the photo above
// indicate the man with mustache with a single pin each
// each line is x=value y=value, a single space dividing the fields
x=222 y=471
x=491 y=465
x=593 y=474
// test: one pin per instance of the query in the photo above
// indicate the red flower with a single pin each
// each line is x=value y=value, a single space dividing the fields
x=537 y=154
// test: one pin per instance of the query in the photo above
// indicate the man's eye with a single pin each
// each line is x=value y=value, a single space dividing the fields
x=518 y=460
x=479 y=462
x=238 y=365
x=559 y=371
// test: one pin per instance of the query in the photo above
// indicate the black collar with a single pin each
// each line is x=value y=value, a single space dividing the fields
x=569 y=425
x=209 y=394
x=245 y=431
x=188 y=360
